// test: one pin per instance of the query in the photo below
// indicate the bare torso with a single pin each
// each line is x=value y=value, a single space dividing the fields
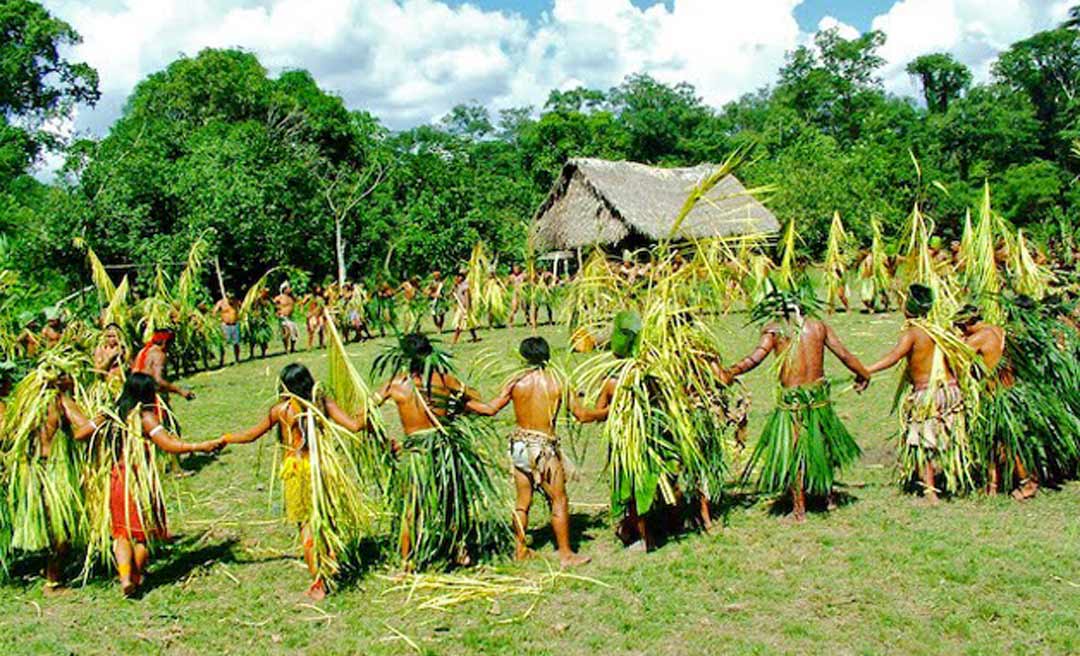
x=284 y=304
x=226 y=311
x=537 y=397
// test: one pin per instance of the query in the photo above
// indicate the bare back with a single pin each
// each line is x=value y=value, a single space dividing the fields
x=419 y=410
x=920 y=358
x=284 y=304
x=537 y=397
x=807 y=364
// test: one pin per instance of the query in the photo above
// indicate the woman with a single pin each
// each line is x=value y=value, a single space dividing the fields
x=294 y=418
x=110 y=357
x=136 y=501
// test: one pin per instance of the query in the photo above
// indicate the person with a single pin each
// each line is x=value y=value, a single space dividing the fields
x=434 y=293
x=315 y=303
x=257 y=322
x=356 y=306
x=626 y=488
x=534 y=447
x=804 y=443
x=463 y=314
x=285 y=303
x=226 y=311
x=298 y=387
x=430 y=399
x=518 y=296
x=136 y=500
x=933 y=409
x=58 y=502
x=152 y=360
x=110 y=356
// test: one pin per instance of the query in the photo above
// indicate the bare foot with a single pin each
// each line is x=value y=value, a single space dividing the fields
x=638 y=547
x=572 y=559
x=54 y=589
x=831 y=504
x=317 y=591
x=524 y=553
x=1025 y=491
x=930 y=498
x=128 y=587
x=463 y=559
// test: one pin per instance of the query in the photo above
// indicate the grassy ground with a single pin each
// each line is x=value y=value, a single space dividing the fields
x=883 y=574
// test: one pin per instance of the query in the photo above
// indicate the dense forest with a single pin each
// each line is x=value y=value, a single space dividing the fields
x=271 y=168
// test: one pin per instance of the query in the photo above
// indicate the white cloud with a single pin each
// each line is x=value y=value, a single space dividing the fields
x=974 y=31
x=410 y=61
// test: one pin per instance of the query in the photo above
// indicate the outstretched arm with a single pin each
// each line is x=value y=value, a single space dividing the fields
x=902 y=348
x=756 y=357
x=255 y=432
x=832 y=341
x=81 y=427
x=602 y=409
x=492 y=408
x=342 y=418
x=169 y=443
x=156 y=365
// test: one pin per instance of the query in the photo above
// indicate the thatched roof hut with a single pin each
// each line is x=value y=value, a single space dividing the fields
x=599 y=202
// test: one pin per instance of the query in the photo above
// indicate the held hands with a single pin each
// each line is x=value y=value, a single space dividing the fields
x=187 y=394
x=861 y=383
x=726 y=377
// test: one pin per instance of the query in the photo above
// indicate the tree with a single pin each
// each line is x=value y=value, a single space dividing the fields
x=473 y=121
x=657 y=117
x=832 y=83
x=942 y=78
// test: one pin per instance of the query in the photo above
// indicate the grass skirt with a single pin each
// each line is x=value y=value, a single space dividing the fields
x=443 y=495
x=1029 y=424
x=803 y=434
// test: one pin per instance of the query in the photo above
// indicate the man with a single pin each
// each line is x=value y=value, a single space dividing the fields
x=316 y=326
x=428 y=397
x=934 y=408
x=434 y=293
x=152 y=360
x=804 y=443
x=62 y=413
x=258 y=324
x=110 y=356
x=518 y=298
x=463 y=314
x=226 y=311
x=534 y=447
x=633 y=527
x=285 y=302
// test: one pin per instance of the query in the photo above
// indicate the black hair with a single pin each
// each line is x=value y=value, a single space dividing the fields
x=297 y=380
x=417 y=348
x=113 y=324
x=139 y=389
x=535 y=350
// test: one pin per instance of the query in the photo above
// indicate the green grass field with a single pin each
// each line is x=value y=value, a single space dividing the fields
x=883 y=574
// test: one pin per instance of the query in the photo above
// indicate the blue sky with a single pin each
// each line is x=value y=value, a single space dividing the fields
x=858 y=13
x=410 y=61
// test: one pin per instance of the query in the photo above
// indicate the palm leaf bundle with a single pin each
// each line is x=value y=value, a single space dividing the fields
x=786 y=270
x=494 y=301
x=981 y=275
x=100 y=277
x=1029 y=277
x=256 y=317
x=835 y=261
x=476 y=277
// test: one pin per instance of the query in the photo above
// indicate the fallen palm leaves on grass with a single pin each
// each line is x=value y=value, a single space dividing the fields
x=441 y=592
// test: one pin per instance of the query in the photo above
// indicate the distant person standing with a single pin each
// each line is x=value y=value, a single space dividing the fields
x=285 y=302
x=225 y=309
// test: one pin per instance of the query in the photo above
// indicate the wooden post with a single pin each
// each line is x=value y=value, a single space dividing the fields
x=220 y=278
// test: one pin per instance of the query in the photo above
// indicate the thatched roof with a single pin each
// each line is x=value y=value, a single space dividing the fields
x=596 y=201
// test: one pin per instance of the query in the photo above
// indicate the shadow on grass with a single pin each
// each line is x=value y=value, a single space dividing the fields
x=369 y=554
x=580 y=525
x=181 y=557
x=817 y=504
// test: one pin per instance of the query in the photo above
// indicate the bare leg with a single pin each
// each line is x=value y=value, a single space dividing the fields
x=54 y=568
x=317 y=591
x=640 y=526
x=524 y=490
x=555 y=489
x=929 y=491
x=124 y=564
x=705 y=511
x=141 y=558
x=1029 y=483
x=798 y=498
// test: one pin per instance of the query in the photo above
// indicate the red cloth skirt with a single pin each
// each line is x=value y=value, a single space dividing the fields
x=127 y=523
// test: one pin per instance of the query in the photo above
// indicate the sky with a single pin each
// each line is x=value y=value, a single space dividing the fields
x=410 y=61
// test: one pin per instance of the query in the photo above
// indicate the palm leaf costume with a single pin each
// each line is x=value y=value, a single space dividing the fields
x=803 y=438
x=443 y=499
x=42 y=494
